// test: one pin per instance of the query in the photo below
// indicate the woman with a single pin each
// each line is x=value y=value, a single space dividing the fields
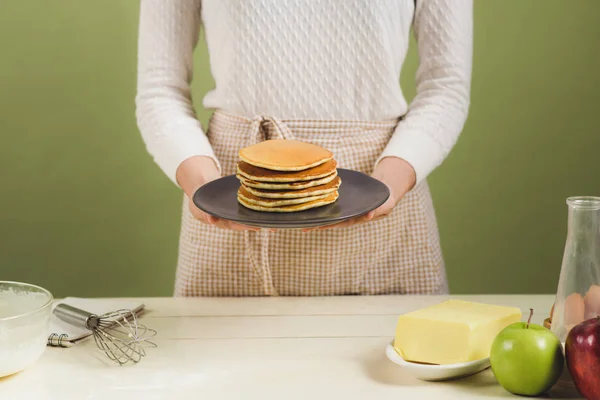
x=328 y=71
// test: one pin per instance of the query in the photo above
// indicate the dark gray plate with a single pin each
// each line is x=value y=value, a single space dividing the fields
x=358 y=194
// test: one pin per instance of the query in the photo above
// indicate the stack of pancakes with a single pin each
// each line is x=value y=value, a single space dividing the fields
x=286 y=176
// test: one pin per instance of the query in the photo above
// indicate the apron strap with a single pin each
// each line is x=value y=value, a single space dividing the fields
x=262 y=268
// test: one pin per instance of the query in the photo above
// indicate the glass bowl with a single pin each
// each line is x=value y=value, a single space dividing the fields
x=25 y=312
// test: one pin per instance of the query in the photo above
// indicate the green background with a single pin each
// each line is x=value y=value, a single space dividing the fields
x=84 y=210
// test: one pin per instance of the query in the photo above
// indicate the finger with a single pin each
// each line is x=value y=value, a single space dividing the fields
x=202 y=218
x=369 y=216
x=382 y=211
x=344 y=224
x=212 y=220
x=317 y=228
x=242 y=227
x=239 y=227
x=236 y=227
x=372 y=215
x=224 y=224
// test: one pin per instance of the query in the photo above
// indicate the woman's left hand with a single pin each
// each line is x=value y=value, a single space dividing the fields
x=399 y=176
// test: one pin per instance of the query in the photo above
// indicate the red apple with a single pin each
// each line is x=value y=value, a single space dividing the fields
x=582 y=349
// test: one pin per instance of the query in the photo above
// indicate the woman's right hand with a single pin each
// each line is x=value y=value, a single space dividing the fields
x=191 y=175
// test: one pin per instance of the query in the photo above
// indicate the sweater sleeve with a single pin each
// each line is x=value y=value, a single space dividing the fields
x=444 y=33
x=168 y=34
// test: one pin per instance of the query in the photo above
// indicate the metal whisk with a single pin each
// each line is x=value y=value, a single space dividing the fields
x=118 y=333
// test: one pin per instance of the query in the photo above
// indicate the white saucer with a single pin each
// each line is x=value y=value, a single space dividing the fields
x=427 y=372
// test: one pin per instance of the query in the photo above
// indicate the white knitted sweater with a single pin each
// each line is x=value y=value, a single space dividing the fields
x=318 y=59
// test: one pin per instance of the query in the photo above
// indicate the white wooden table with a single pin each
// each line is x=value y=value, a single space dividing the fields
x=264 y=348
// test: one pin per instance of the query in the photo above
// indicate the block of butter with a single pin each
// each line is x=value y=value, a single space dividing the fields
x=453 y=331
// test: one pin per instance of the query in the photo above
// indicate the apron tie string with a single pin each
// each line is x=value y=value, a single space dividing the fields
x=262 y=268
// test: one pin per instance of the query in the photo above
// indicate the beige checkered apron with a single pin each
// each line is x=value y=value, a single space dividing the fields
x=398 y=254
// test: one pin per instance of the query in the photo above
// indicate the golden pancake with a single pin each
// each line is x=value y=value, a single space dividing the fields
x=292 y=194
x=285 y=155
x=248 y=197
x=286 y=186
x=264 y=175
x=331 y=198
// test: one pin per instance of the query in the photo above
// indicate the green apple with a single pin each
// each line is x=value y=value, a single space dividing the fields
x=527 y=359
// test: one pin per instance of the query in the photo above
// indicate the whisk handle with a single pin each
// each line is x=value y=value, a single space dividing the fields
x=75 y=316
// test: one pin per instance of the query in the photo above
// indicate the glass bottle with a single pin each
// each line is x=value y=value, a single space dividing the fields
x=578 y=293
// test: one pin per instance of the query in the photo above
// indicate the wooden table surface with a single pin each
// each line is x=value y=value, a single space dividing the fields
x=262 y=348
